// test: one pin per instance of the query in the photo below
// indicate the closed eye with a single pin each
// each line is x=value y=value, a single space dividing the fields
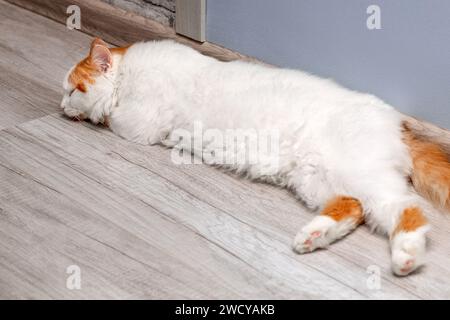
x=73 y=90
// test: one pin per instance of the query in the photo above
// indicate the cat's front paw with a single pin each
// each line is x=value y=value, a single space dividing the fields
x=315 y=235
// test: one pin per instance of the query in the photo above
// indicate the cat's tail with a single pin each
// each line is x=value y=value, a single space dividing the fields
x=431 y=169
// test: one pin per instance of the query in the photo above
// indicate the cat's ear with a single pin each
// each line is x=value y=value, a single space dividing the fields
x=100 y=55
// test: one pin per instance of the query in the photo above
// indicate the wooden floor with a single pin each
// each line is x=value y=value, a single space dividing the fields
x=139 y=226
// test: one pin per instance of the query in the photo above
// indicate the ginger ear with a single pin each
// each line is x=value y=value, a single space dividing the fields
x=100 y=55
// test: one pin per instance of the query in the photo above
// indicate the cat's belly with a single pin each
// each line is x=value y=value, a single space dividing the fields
x=266 y=157
x=244 y=151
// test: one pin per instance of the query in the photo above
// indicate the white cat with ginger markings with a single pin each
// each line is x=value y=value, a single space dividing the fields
x=346 y=154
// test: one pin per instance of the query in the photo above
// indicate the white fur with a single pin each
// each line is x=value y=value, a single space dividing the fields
x=333 y=141
x=408 y=250
x=321 y=232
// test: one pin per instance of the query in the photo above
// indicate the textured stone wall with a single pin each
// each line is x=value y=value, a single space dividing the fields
x=162 y=11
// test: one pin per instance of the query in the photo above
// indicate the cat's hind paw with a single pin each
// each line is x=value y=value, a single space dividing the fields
x=315 y=235
x=308 y=242
x=403 y=263
x=408 y=251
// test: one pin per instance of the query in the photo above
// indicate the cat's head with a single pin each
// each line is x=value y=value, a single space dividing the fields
x=89 y=86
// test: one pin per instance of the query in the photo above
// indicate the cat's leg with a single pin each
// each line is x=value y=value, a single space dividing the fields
x=339 y=217
x=401 y=217
x=406 y=226
x=408 y=241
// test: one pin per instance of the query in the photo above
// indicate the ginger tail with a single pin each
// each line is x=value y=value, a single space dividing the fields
x=431 y=169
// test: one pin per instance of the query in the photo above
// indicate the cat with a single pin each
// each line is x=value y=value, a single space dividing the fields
x=345 y=154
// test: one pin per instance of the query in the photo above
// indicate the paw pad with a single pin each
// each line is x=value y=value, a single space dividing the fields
x=407 y=266
x=308 y=242
x=316 y=234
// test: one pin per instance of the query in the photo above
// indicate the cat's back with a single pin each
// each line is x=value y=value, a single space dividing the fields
x=164 y=55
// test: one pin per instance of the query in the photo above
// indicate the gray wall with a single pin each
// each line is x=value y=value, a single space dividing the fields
x=406 y=63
